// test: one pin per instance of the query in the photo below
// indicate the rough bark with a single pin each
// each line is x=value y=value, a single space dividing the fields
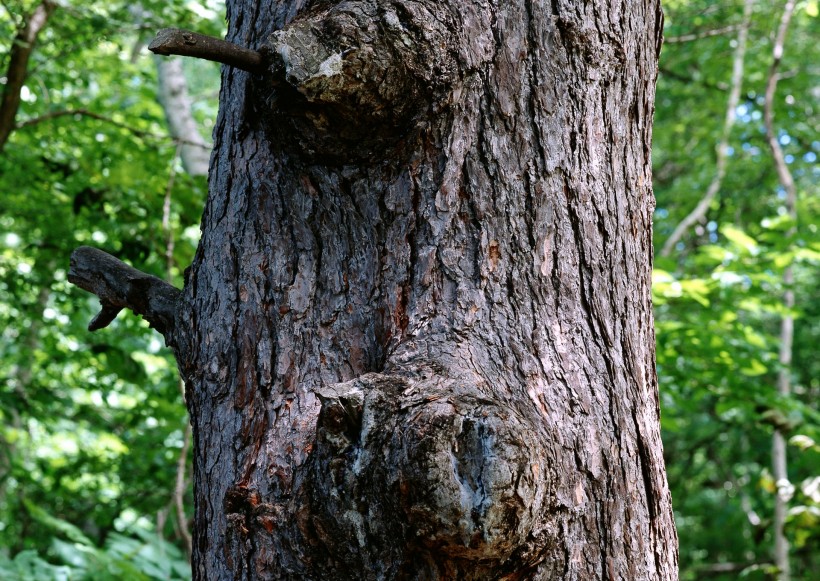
x=417 y=334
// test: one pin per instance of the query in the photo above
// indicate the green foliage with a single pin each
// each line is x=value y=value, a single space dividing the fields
x=91 y=425
x=29 y=566
x=717 y=364
x=143 y=557
x=719 y=297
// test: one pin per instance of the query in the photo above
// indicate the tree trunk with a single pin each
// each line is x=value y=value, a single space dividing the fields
x=780 y=466
x=417 y=335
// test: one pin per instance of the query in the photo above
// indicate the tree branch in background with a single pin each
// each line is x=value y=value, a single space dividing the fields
x=171 y=41
x=689 y=79
x=120 y=286
x=21 y=48
x=720 y=569
x=703 y=34
x=182 y=526
x=779 y=460
x=166 y=220
x=700 y=210
x=82 y=113
x=173 y=96
x=90 y=114
x=783 y=172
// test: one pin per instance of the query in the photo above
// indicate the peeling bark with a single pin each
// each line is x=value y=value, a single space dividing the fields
x=417 y=335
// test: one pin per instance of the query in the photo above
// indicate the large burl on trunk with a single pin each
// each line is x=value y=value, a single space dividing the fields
x=417 y=335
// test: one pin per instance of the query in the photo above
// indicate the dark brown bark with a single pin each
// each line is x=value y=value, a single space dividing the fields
x=417 y=334
x=172 y=94
x=21 y=48
x=121 y=286
x=186 y=43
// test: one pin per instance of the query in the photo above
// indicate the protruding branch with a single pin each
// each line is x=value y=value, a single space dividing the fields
x=120 y=286
x=15 y=76
x=186 y=43
x=702 y=208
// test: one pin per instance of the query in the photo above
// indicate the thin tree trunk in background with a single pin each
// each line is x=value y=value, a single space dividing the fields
x=417 y=335
x=21 y=48
x=173 y=96
x=180 y=483
x=779 y=459
x=699 y=212
x=180 y=486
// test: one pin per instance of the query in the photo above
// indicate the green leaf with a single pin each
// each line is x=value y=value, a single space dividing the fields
x=754 y=369
x=57 y=524
x=740 y=239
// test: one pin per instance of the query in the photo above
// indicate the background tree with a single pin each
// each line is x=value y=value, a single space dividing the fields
x=719 y=288
x=418 y=339
x=95 y=440
x=92 y=426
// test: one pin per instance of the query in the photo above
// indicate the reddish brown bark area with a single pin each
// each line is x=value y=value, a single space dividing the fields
x=419 y=328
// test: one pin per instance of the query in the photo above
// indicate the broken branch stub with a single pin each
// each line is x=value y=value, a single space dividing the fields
x=120 y=286
x=174 y=41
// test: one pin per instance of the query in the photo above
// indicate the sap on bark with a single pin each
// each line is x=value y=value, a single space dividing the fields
x=428 y=460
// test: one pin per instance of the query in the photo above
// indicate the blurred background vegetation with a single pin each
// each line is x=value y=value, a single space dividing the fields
x=94 y=463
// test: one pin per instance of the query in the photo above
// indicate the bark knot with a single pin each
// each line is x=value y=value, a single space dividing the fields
x=426 y=459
